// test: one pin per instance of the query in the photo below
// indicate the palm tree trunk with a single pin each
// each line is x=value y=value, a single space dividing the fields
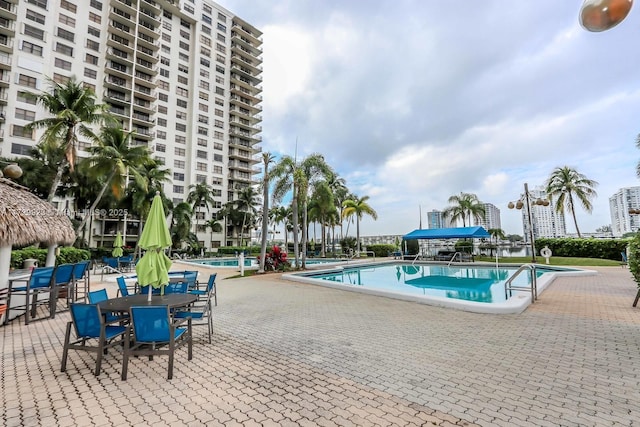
x=294 y=210
x=322 y=241
x=358 y=235
x=304 y=234
x=573 y=214
x=95 y=202
x=56 y=181
x=265 y=220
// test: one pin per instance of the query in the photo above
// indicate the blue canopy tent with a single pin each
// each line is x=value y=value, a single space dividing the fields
x=476 y=232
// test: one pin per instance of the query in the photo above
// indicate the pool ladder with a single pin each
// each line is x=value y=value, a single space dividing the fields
x=533 y=288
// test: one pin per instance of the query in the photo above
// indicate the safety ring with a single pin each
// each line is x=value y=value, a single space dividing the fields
x=546 y=252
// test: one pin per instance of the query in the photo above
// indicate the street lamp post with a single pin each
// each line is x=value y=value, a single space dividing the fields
x=527 y=202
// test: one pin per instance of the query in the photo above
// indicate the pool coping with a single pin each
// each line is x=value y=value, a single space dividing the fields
x=514 y=305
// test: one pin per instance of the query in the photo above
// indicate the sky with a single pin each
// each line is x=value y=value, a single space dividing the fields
x=412 y=102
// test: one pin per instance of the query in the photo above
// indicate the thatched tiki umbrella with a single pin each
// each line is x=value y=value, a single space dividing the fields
x=26 y=219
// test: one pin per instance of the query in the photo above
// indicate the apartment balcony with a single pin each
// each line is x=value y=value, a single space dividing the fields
x=143 y=119
x=145 y=92
x=240 y=46
x=150 y=15
x=5 y=61
x=246 y=33
x=119 y=112
x=246 y=72
x=254 y=66
x=245 y=114
x=144 y=105
x=147 y=54
x=235 y=154
x=244 y=102
x=147 y=27
x=153 y=6
x=7 y=26
x=8 y=10
x=143 y=133
x=245 y=83
x=120 y=42
x=5 y=79
x=128 y=6
x=117 y=96
x=244 y=124
x=120 y=29
x=146 y=39
x=146 y=67
x=114 y=82
x=118 y=14
x=119 y=55
x=118 y=70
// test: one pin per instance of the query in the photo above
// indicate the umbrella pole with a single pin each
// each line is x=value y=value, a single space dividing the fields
x=149 y=293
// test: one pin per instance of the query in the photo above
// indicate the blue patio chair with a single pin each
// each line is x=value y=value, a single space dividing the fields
x=144 y=290
x=64 y=279
x=123 y=290
x=4 y=294
x=200 y=312
x=101 y=295
x=211 y=289
x=156 y=333
x=89 y=324
x=625 y=261
x=81 y=276
x=192 y=279
x=177 y=288
x=39 y=283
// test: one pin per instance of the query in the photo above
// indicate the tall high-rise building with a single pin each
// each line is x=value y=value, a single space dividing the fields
x=546 y=221
x=183 y=76
x=435 y=220
x=491 y=217
x=619 y=204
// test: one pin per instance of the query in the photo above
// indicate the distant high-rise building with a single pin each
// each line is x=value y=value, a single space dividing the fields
x=491 y=217
x=183 y=76
x=435 y=219
x=619 y=204
x=546 y=221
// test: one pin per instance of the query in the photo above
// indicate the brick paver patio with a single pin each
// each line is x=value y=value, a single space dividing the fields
x=287 y=353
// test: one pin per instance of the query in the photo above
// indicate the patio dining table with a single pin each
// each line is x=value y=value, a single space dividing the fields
x=124 y=304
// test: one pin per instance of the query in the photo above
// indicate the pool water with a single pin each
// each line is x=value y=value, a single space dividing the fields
x=477 y=284
x=253 y=261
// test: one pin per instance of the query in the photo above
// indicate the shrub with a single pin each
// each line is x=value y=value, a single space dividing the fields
x=276 y=259
x=382 y=250
x=634 y=258
x=68 y=255
x=584 y=248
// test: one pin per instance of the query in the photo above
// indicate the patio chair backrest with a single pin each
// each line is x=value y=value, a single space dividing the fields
x=97 y=296
x=177 y=288
x=122 y=286
x=86 y=320
x=191 y=277
x=212 y=281
x=41 y=277
x=151 y=323
x=64 y=274
x=80 y=269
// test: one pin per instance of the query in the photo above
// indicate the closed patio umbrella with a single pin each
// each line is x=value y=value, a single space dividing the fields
x=117 y=246
x=153 y=268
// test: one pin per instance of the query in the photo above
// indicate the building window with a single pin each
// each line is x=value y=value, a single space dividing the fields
x=180 y=139
x=93 y=17
x=205 y=40
x=21 y=149
x=178 y=189
x=64 y=34
x=165 y=49
x=205 y=62
x=220 y=59
x=28 y=81
x=221 y=38
x=216 y=192
x=202 y=131
x=166 y=37
x=200 y=179
x=35 y=16
x=165 y=61
x=93 y=31
x=164 y=73
x=202 y=142
x=93 y=45
x=201 y=154
x=204 y=73
x=59 y=78
x=68 y=5
x=219 y=90
x=203 y=107
x=96 y=4
x=222 y=17
x=206 y=30
x=163 y=97
x=217 y=169
x=219 y=112
x=23 y=97
x=61 y=63
x=162 y=122
x=166 y=25
x=202 y=167
x=31 y=48
x=178 y=176
x=221 y=48
x=203 y=119
x=91 y=59
x=181 y=127
x=163 y=85
x=218 y=134
x=21 y=132
x=222 y=28
x=39 y=3
x=64 y=49
x=161 y=134
x=183 y=56
x=178 y=164
x=220 y=102
x=216 y=181
x=203 y=95
x=219 y=124
x=185 y=35
x=182 y=115
x=67 y=20
x=217 y=158
x=25 y=114
x=182 y=91
x=183 y=68
x=217 y=146
x=183 y=80
x=33 y=32
x=162 y=109
x=179 y=151
x=181 y=103
x=92 y=74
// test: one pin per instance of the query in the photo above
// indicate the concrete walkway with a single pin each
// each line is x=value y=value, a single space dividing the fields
x=288 y=353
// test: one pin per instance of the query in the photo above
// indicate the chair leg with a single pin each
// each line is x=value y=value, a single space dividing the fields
x=65 y=352
x=101 y=351
x=171 y=352
x=125 y=358
x=53 y=302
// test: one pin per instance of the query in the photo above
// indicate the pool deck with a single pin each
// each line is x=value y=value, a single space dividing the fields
x=287 y=353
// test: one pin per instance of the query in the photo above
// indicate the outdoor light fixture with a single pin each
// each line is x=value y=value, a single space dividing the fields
x=12 y=170
x=634 y=211
x=528 y=202
x=602 y=15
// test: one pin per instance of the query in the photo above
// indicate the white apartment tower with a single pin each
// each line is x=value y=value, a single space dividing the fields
x=619 y=204
x=546 y=221
x=491 y=217
x=184 y=76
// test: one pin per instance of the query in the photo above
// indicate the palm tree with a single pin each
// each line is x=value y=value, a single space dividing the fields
x=181 y=224
x=199 y=195
x=246 y=203
x=114 y=158
x=214 y=225
x=358 y=207
x=74 y=110
x=565 y=184
x=267 y=158
x=340 y=192
x=466 y=207
x=496 y=233
x=281 y=215
x=321 y=208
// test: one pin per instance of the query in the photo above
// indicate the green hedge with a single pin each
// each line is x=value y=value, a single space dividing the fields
x=584 y=248
x=233 y=250
x=67 y=256
x=382 y=250
x=634 y=258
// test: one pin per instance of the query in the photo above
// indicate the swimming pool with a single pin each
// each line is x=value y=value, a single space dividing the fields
x=468 y=287
x=253 y=261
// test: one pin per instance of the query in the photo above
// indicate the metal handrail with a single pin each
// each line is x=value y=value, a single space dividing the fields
x=415 y=259
x=533 y=288
x=454 y=257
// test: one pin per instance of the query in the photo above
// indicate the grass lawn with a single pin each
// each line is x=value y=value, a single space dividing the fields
x=555 y=260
